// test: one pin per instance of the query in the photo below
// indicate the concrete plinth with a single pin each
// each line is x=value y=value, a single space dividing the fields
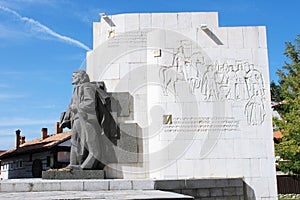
x=117 y=194
x=73 y=174
x=218 y=188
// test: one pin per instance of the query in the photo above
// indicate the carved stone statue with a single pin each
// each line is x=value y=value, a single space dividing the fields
x=91 y=123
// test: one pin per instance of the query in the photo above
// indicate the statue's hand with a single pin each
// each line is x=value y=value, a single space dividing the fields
x=65 y=124
x=73 y=108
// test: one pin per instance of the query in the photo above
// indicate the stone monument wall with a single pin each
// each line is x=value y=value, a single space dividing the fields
x=201 y=97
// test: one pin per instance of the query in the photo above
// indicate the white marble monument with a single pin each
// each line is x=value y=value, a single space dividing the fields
x=201 y=98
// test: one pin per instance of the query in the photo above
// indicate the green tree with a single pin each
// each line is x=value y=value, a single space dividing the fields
x=288 y=90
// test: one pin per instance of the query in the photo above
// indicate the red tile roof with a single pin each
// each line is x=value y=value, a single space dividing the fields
x=277 y=134
x=2 y=151
x=38 y=144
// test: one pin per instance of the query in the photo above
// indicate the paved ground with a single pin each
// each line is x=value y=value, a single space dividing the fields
x=78 y=195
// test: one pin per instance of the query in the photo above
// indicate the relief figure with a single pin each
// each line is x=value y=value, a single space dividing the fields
x=241 y=86
x=255 y=81
x=209 y=86
x=222 y=80
x=182 y=69
x=254 y=110
x=232 y=82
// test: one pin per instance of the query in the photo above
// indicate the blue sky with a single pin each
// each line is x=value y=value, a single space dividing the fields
x=43 y=41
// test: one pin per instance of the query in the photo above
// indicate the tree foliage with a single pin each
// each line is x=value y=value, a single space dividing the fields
x=288 y=90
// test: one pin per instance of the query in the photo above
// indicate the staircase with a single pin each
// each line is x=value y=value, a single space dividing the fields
x=83 y=189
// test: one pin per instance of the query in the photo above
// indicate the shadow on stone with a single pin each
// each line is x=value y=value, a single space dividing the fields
x=212 y=188
x=249 y=193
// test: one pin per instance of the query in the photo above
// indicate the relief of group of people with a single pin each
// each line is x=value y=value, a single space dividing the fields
x=236 y=82
x=233 y=82
x=223 y=81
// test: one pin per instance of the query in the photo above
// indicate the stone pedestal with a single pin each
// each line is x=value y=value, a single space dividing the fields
x=74 y=174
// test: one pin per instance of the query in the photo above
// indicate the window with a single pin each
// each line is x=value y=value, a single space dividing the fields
x=50 y=161
x=63 y=156
x=20 y=164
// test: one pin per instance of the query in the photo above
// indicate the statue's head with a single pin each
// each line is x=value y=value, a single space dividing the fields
x=79 y=77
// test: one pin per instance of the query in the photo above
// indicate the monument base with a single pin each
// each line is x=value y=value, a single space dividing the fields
x=73 y=174
x=205 y=188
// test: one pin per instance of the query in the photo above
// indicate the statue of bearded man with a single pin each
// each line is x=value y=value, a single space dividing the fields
x=90 y=146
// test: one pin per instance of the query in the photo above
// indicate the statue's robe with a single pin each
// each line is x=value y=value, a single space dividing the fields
x=92 y=126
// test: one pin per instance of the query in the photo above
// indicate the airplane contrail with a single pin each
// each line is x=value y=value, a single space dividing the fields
x=45 y=29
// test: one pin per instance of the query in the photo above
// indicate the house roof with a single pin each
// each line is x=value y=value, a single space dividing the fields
x=2 y=151
x=37 y=144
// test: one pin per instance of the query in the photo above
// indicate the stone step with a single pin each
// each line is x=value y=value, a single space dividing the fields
x=224 y=188
x=42 y=185
x=76 y=195
x=20 y=189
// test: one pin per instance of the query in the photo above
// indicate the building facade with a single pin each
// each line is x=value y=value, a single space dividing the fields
x=29 y=159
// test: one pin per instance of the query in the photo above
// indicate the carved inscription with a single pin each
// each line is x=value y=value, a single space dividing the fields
x=132 y=39
x=201 y=124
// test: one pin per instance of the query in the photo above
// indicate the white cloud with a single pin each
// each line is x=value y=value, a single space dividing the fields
x=35 y=1
x=45 y=107
x=23 y=4
x=25 y=122
x=10 y=73
x=38 y=27
x=10 y=96
x=7 y=132
x=7 y=138
x=8 y=32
